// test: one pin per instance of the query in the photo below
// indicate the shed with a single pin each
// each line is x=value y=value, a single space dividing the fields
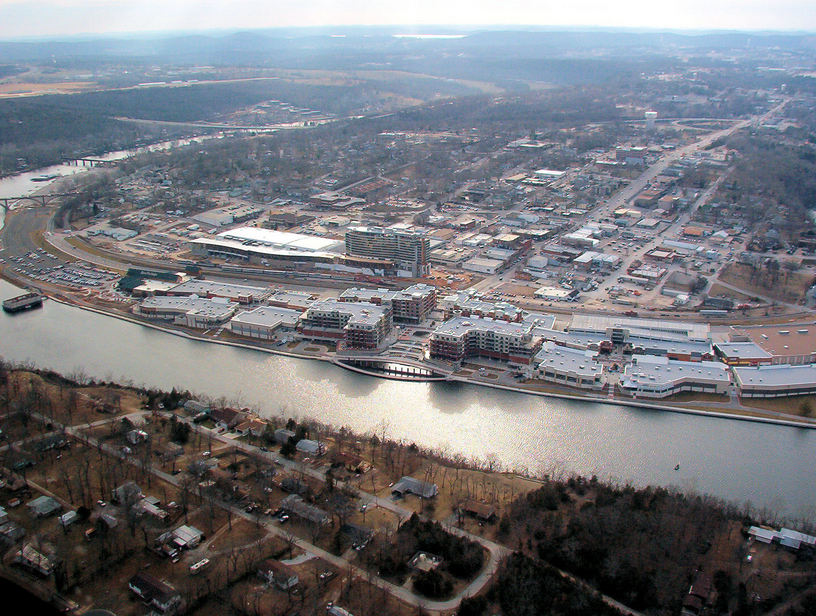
x=66 y=519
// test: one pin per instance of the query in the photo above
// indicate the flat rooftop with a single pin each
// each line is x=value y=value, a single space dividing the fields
x=268 y=316
x=460 y=325
x=742 y=350
x=221 y=289
x=282 y=239
x=216 y=307
x=777 y=376
x=646 y=327
x=649 y=369
x=361 y=312
x=788 y=339
x=565 y=359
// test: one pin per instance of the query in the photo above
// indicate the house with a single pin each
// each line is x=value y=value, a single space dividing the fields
x=275 y=572
x=106 y=522
x=11 y=533
x=481 y=511
x=149 y=506
x=33 y=560
x=134 y=437
x=254 y=426
x=282 y=435
x=351 y=462
x=55 y=441
x=43 y=506
x=698 y=594
x=295 y=505
x=409 y=485
x=294 y=485
x=187 y=537
x=310 y=447
x=162 y=596
x=127 y=493
x=424 y=561
x=194 y=407
x=226 y=418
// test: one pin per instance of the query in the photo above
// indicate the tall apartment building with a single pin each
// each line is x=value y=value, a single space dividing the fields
x=361 y=325
x=407 y=249
x=463 y=337
x=411 y=305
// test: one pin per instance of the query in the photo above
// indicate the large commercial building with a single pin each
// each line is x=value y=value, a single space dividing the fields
x=682 y=341
x=411 y=305
x=568 y=366
x=407 y=249
x=243 y=294
x=462 y=337
x=660 y=377
x=775 y=381
x=785 y=344
x=467 y=304
x=265 y=322
x=360 y=325
x=258 y=245
x=195 y=312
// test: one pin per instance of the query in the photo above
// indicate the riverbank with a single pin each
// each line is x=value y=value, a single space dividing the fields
x=617 y=401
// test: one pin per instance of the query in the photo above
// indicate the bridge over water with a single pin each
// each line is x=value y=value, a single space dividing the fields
x=43 y=200
x=397 y=367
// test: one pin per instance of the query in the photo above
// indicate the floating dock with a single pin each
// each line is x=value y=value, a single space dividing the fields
x=28 y=301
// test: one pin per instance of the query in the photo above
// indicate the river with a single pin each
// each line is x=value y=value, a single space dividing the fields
x=22 y=184
x=770 y=466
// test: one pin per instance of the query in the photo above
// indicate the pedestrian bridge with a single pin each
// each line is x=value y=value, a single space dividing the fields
x=400 y=368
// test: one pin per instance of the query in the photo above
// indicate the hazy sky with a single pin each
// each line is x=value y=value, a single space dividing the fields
x=22 y=18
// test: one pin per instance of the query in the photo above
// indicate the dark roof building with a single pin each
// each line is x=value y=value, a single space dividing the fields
x=409 y=485
x=162 y=596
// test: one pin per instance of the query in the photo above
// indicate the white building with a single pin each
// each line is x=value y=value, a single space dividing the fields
x=659 y=377
x=567 y=366
x=775 y=381
x=243 y=294
x=482 y=265
x=193 y=311
x=264 y=322
x=253 y=244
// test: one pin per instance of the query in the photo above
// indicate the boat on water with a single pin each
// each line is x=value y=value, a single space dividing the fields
x=27 y=301
x=45 y=178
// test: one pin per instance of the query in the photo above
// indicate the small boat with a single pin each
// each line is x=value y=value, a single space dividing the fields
x=677 y=467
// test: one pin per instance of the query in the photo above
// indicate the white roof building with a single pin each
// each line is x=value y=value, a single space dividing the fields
x=573 y=367
x=659 y=377
x=251 y=242
x=193 y=311
x=775 y=380
x=264 y=322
